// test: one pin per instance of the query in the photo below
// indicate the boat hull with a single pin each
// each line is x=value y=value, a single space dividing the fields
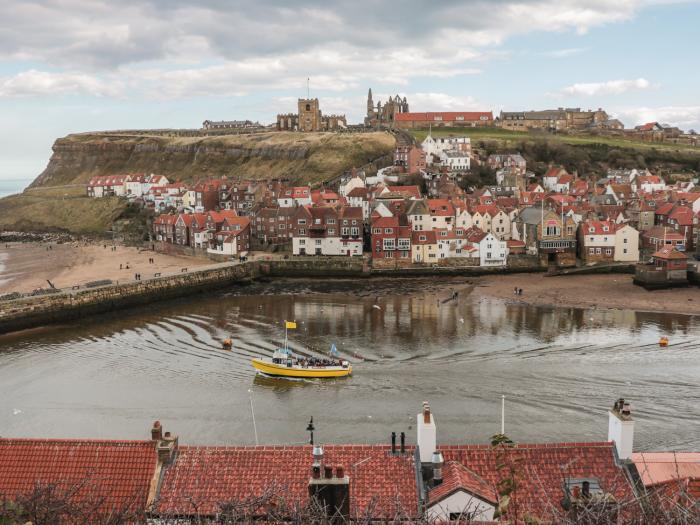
x=275 y=370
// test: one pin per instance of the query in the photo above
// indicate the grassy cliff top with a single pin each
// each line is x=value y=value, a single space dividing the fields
x=301 y=157
x=59 y=209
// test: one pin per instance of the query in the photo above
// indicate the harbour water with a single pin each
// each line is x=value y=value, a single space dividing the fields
x=560 y=369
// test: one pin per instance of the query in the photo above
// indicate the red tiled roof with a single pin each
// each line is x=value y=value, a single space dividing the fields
x=659 y=467
x=455 y=477
x=410 y=191
x=386 y=222
x=598 y=227
x=117 y=472
x=208 y=476
x=444 y=116
x=358 y=192
x=542 y=469
x=664 y=209
x=424 y=237
x=683 y=215
x=441 y=207
x=669 y=252
x=554 y=172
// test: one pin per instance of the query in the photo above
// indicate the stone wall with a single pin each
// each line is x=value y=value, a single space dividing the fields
x=60 y=307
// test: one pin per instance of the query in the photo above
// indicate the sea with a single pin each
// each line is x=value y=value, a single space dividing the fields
x=12 y=186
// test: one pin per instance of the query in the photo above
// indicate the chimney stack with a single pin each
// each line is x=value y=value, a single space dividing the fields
x=331 y=492
x=317 y=455
x=621 y=428
x=426 y=434
x=156 y=431
x=166 y=444
x=438 y=463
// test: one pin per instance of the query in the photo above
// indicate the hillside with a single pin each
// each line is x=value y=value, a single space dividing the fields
x=59 y=209
x=300 y=157
x=57 y=201
x=586 y=154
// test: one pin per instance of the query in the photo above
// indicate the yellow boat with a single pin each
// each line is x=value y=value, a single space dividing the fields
x=282 y=364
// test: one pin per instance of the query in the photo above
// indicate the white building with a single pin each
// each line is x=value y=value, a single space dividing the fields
x=455 y=160
x=435 y=146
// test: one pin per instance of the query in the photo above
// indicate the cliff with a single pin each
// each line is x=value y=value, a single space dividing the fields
x=301 y=157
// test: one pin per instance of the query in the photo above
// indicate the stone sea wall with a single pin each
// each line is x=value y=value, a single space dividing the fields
x=31 y=312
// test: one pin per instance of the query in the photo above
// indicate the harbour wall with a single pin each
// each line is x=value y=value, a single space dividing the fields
x=68 y=305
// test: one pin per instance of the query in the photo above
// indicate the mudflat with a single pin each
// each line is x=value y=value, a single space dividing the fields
x=588 y=291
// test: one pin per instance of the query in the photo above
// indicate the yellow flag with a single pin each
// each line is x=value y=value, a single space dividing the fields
x=291 y=324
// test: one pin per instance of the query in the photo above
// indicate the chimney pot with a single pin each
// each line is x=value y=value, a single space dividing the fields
x=316 y=472
x=393 y=442
x=403 y=442
x=317 y=454
x=167 y=435
x=339 y=472
x=328 y=472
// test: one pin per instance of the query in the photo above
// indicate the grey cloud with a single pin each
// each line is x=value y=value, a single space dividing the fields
x=102 y=34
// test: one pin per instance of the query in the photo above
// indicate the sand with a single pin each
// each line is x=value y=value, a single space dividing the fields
x=25 y=267
x=588 y=291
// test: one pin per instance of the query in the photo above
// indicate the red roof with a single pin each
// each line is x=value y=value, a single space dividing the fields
x=409 y=191
x=386 y=222
x=445 y=116
x=659 y=467
x=669 y=252
x=542 y=469
x=117 y=472
x=683 y=215
x=554 y=172
x=208 y=476
x=424 y=237
x=456 y=476
x=598 y=227
x=441 y=207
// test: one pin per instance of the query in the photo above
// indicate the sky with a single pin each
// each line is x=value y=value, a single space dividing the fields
x=84 y=65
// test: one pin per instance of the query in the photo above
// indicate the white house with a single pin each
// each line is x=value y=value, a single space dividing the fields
x=434 y=147
x=296 y=196
x=455 y=160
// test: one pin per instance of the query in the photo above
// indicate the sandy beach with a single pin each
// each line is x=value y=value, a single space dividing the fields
x=588 y=291
x=25 y=267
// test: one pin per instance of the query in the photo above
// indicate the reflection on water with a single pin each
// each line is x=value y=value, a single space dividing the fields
x=560 y=369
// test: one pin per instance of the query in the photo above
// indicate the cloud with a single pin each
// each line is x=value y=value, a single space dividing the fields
x=42 y=83
x=100 y=33
x=611 y=87
x=564 y=53
x=685 y=117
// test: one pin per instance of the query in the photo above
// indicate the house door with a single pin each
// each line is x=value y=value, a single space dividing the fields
x=318 y=251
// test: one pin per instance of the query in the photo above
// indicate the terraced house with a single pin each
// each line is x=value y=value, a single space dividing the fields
x=414 y=478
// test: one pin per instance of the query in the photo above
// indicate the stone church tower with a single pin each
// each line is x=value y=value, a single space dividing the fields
x=309 y=114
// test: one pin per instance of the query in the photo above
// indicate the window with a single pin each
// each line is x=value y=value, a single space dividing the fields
x=331 y=231
x=354 y=231
x=302 y=242
x=302 y=231
x=422 y=237
x=331 y=221
x=624 y=240
x=608 y=251
x=597 y=251
x=624 y=250
x=404 y=244
x=591 y=251
x=389 y=244
x=301 y=221
x=318 y=242
x=376 y=230
x=388 y=230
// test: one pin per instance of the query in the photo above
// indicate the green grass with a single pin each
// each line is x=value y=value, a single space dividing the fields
x=59 y=209
x=517 y=136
